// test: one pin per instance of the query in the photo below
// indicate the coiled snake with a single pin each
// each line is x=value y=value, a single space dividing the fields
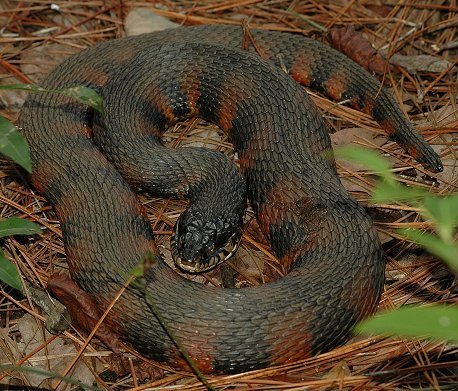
x=83 y=163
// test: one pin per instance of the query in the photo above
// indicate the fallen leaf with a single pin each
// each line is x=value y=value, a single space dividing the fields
x=380 y=9
x=82 y=308
x=449 y=157
x=122 y=365
x=353 y=44
x=445 y=144
x=142 y=20
x=421 y=63
x=346 y=168
x=9 y=352
x=444 y=116
x=56 y=358
x=353 y=136
x=11 y=98
x=339 y=371
x=38 y=61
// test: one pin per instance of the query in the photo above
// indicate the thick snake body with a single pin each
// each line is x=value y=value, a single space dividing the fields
x=148 y=83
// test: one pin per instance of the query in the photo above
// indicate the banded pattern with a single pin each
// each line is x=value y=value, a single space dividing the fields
x=151 y=81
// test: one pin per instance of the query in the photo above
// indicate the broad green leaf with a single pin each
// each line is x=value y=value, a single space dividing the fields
x=437 y=321
x=85 y=95
x=17 y=226
x=395 y=192
x=8 y=273
x=14 y=145
x=443 y=211
x=447 y=251
x=369 y=158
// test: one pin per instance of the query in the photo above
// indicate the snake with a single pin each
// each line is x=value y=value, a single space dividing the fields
x=88 y=165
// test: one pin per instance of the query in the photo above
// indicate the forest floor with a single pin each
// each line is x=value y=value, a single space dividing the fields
x=419 y=41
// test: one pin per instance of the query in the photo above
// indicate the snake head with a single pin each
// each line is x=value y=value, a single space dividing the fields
x=198 y=245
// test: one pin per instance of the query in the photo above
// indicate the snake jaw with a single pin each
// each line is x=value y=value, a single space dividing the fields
x=207 y=258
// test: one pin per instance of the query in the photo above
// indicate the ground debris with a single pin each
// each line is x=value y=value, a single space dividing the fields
x=352 y=42
x=421 y=63
x=34 y=34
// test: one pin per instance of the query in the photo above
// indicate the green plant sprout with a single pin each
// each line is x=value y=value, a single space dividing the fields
x=438 y=321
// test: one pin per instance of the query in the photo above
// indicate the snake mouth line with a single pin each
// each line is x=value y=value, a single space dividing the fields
x=208 y=261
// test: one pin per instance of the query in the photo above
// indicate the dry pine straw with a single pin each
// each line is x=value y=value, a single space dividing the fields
x=407 y=28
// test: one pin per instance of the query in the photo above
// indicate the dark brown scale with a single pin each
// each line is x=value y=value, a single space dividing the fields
x=309 y=219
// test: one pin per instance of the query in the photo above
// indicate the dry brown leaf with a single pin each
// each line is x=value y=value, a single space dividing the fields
x=380 y=8
x=353 y=44
x=55 y=358
x=353 y=136
x=142 y=20
x=122 y=365
x=82 y=308
x=39 y=61
x=421 y=63
x=11 y=98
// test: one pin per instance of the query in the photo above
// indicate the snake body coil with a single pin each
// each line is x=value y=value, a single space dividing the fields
x=148 y=83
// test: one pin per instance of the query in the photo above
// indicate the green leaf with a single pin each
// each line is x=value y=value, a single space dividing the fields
x=17 y=226
x=367 y=157
x=14 y=145
x=137 y=271
x=48 y=374
x=443 y=211
x=447 y=251
x=85 y=95
x=394 y=192
x=437 y=321
x=145 y=263
x=26 y=87
x=8 y=273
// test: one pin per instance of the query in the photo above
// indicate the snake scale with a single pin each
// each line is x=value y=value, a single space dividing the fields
x=86 y=165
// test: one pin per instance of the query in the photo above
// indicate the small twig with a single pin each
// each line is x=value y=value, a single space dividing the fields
x=248 y=40
x=94 y=330
x=309 y=21
x=141 y=285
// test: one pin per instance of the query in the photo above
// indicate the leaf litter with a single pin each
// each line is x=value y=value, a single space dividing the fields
x=32 y=33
